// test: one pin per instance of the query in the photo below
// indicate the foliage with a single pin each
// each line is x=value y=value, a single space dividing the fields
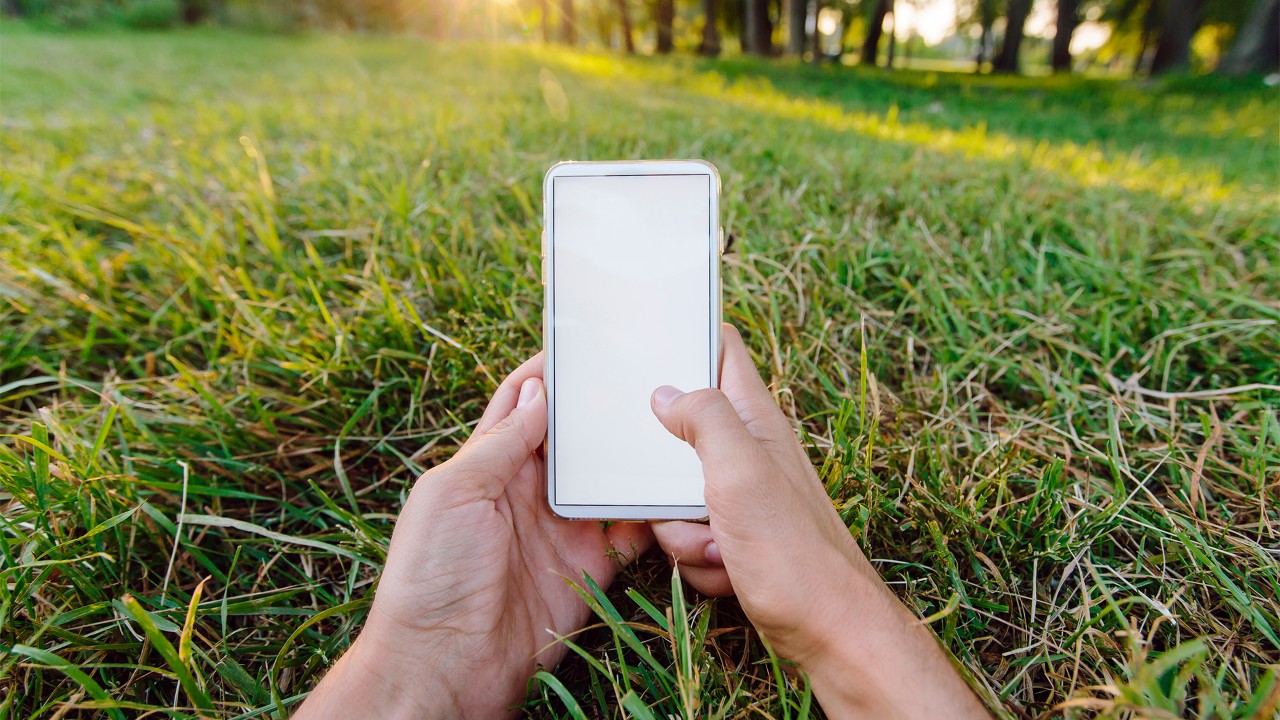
x=261 y=17
x=150 y=14
x=250 y=287
x=64 y=13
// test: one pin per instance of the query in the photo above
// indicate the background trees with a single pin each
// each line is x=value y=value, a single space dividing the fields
x=875 y=28
x=1256 y=47
x=1011 y=46
x=1068 y=19
x=1143 y=37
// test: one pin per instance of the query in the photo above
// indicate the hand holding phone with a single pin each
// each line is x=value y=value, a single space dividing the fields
x=473 y=591
x=631 y=267
x=782 y=549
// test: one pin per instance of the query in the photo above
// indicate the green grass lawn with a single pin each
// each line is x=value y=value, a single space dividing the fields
x=250 y=287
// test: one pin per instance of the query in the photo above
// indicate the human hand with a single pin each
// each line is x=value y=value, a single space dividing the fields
x=776 y=541
x=475 y=577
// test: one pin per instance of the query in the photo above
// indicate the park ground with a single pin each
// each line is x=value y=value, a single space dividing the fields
x=251 y=286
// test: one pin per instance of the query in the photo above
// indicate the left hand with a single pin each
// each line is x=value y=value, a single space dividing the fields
x=475 y=579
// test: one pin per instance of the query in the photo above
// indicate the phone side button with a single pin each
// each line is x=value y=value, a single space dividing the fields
x=544 y=270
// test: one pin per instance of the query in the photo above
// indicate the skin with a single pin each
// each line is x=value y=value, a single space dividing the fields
x=477 y=568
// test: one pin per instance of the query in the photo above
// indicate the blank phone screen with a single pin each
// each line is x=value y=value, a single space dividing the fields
x=630 y=274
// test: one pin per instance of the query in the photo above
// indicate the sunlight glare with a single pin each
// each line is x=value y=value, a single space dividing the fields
x=933 y=21
x=1089 y=35
x=828 y=20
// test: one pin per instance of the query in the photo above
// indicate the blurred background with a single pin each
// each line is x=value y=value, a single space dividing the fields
x=1100 y=37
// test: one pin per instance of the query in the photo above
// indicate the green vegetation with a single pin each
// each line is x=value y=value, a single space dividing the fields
x=251 y=287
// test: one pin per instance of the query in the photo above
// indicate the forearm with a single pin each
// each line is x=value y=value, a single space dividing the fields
x=359 y=686
x=885 y=663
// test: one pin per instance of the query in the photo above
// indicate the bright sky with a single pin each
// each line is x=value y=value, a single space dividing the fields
x=934 y=20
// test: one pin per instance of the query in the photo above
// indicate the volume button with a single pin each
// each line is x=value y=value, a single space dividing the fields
x=544 y=270
x=722 y=240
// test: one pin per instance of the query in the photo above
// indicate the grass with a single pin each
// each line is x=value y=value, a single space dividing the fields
x=250 y=287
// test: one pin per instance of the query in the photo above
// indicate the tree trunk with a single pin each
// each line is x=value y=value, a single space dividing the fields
x=1007 y=60
x=986 y=19
x=628 y=41
x=604 y=27
x=797 y=18
x=759 y=28
x=871 y=44
x=710 y=33
x=666 y=15
x=893 y=37
x=1256 y=48
x=544 y=8
x=194 y=11
x=1180 y=21
x=816 y=40
x=568 y=23
x=1068 y=19
x=981 y=57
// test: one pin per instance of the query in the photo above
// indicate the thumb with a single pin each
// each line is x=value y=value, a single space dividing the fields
x=708 y=422
x=489 y=462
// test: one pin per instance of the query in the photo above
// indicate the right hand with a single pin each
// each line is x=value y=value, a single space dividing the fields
x=776 y=541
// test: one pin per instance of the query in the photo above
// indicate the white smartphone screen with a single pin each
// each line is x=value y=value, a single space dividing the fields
x=631 y=290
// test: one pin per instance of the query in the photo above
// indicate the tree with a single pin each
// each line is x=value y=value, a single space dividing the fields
x=980 y=15
x=1068 y=20
x=665 y=14
x=196 y=11
x=1256 y=48
x=628 y=41
x=759 y=28
x=1016 y=20
x=568 y=23
x=797 y=17
x=871 y=44
x=893 y=38
x=710 y=45
x=1179 y=20
x=1164 y=28
x=815 y=47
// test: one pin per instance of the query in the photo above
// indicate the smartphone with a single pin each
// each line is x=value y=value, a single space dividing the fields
x=631 y=268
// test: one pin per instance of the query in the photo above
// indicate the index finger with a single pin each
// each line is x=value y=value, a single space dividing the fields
x=742 y=384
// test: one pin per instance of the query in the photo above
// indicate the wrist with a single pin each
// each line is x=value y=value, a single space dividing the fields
x=881 y=661
x=366 y=682
x=412 y=689
x=849 y=667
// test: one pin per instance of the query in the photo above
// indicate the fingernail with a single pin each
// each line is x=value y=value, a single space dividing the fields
x=713 y=553
x=528 y=391
x=663 y=396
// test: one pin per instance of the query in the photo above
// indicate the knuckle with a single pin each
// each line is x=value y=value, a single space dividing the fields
x=511 y=423
x=698 y=409
x=476 y=471
x=704 y=402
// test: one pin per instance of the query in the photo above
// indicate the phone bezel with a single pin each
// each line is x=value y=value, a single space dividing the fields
x=714 y=248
